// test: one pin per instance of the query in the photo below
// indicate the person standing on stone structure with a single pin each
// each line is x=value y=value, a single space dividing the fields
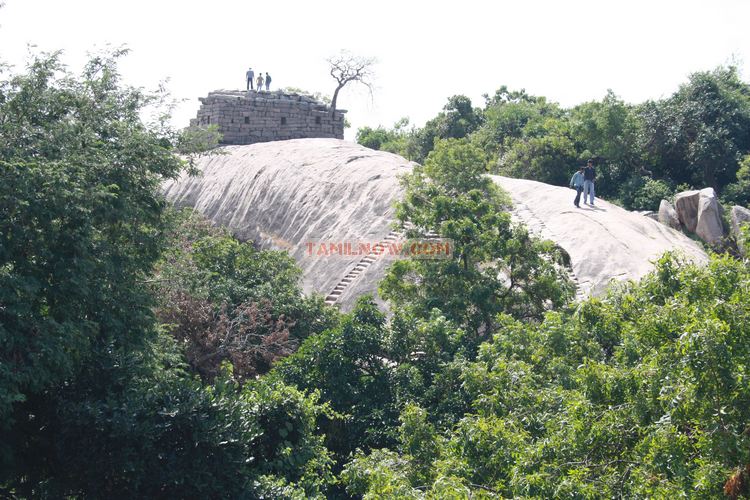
x=260 y=82
x=250 y=75
x=589 y=177
x=268 y=80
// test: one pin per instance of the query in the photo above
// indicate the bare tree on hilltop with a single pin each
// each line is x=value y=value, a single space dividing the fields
x=346 y=68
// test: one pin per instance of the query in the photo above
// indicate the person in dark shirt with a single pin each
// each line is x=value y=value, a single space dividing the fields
x=250 y=75
x=589 y=177
x=268 y=80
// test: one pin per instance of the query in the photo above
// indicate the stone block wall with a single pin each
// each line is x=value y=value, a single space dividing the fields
x=258 y=116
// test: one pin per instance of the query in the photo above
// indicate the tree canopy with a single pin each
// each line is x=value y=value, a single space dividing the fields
x=96 y=399
x=695 y=138
x=146 y=353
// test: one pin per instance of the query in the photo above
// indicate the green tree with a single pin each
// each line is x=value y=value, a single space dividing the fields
x=348 y=364
x=395 y=140
x=640 y=394
x=644 y=193
x=176 y=438
x=738 y=192
x=547 y=158
x=79 y=225
x=95 y=399
x=608 y=131
x=506 y=117
x=496 y=265
x=699 y=135
x=457 y=120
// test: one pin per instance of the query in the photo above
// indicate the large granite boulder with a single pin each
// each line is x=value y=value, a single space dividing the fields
x=295 y=194
x=740 y=216
x=686 y=206
x=709 y=226
x=298 y=194
x=668 y=215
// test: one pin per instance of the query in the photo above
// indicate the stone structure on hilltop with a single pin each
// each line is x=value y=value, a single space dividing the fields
x=257 y=116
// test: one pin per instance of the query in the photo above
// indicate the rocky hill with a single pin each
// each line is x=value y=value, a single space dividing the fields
x=300 y=194
x=604 y=241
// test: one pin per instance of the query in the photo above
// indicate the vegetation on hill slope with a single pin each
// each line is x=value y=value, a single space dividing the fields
x=144 y=353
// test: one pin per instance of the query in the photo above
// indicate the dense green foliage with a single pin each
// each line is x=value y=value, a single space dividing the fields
x=739 y=192
x=695 y=138
x=95 y=398
x=495 y=264
x=145 y=353
x=79 y=226
x=368 y=369
x=227 y=301
x=642 y=394
x=395 y=140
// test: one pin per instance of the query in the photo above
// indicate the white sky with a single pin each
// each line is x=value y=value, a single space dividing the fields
x=569 y=51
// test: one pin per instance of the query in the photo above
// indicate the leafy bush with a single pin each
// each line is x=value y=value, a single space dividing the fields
x=178 y=439
x=738 y=192
x=549 y=159
x=642 y=394
x=227 y=301
x=644 y=193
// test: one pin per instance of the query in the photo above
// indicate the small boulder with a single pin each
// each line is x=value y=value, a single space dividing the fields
x=709 y=227
x=740 y=216
x=668 y=215
x=686 y=206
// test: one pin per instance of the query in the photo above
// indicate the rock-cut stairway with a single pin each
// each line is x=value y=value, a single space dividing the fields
x=377 y=250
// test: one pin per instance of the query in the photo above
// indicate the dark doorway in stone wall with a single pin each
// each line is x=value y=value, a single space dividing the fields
x=317 y=120
x=247 y=120
x=283 y=120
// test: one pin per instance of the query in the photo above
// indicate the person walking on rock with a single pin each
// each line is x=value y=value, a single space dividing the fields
x=250 y=75
x=589 y=177
x=260 y=82
x=576 y=182
x=268 y=80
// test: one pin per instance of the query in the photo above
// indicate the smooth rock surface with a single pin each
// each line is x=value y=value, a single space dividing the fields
x=295 y=194
x=709 y=227
x=298 y=194
x=604 y=241
x=668 y=215
x=740 y=216
x=686 y=205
